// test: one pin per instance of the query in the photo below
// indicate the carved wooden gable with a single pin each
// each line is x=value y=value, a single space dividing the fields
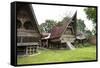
x=69 y=30
x=26 y=23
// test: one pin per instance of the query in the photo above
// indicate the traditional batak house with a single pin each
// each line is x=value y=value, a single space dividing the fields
x=28 y=34
x=62 y=36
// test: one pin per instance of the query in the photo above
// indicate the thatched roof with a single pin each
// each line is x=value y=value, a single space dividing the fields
x=56 y=31
x=80 y=35
x=26 y=11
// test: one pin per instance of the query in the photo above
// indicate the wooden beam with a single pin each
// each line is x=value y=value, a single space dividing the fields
x=27 y=44
x=28 y=34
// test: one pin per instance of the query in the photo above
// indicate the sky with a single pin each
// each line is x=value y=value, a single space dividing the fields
x=57 y=13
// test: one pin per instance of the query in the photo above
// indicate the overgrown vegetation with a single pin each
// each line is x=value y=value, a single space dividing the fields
x=80 y=45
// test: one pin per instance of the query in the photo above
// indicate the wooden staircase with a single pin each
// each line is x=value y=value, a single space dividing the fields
x=70 y=46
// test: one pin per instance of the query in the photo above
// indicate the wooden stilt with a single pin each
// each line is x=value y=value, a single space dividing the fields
x=35 y=49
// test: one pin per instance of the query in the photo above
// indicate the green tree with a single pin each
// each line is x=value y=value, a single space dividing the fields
x=88 y=33
x=80 y=25
x=47 y=26
x=91 y=15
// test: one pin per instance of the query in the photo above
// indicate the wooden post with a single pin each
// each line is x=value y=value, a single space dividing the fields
x=26 y=50
x=47 y=43
x=39 y=43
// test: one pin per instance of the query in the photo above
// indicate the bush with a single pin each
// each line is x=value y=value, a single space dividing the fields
x=83 y=45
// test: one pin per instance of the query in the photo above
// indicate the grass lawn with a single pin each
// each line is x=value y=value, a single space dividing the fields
x=49 y=56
